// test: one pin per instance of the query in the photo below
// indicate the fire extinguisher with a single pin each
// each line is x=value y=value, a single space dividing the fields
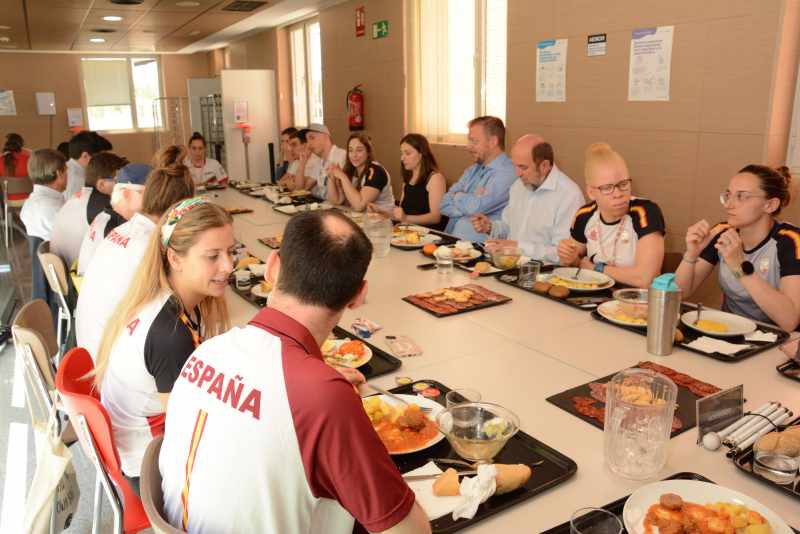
x=355 y=108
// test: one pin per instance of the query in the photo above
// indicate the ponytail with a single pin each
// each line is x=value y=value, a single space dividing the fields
x=9 y=161
x=169 y=183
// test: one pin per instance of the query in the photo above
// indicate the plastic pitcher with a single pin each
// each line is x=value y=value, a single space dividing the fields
x=640 y=404
x=379 y=232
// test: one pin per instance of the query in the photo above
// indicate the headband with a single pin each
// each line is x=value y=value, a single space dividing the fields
x=176 y=215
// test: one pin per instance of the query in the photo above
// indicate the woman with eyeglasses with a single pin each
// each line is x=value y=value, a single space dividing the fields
x=761 y=255
x=616 y=234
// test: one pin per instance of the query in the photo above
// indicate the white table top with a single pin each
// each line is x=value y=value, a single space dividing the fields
x=518 y=354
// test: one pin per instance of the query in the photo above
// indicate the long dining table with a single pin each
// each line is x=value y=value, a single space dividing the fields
x=518 y=354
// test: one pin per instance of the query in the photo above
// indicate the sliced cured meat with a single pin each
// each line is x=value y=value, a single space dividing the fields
x=700 y=392
x=601 y=415
x=599 y=395
x=657 y=368
x=476 y=302
x=676 y=424
x=583 y=400
x=587 y=410
x=682 y=379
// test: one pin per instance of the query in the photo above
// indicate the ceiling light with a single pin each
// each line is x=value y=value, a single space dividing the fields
x=196 y=32
x=112 y=19
x=98 y=40
x=188 y=4
x=5 y=27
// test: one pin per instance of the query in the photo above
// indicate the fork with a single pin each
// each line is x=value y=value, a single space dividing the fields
x=395 y=397
x=699 y=309
x=488 y=461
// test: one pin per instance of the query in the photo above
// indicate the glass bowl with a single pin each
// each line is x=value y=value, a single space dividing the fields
x=477 y=430
x=632 y=302
x=506 y=257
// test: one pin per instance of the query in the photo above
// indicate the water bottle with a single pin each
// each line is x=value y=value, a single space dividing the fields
x=663 y=309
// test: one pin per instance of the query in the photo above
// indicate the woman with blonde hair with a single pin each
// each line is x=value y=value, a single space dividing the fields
x=617 y=234
x=363 y=180
x=760 y=256
x=175 y=301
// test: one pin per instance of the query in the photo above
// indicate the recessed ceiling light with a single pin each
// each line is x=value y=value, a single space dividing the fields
x=5 y=27
x=196 y=32
x=188 y=4
x=112 y=19
x=98 y=40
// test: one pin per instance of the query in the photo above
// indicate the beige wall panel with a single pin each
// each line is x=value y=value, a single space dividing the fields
x=517 y=129
x=710 y=294
x=720 y=157
x=739 y=62
x=675 y=242
x=352 y=50
x=521 y=86
x=176 y=69
x=453 y=161
x=529 y=22
x=238 y=52
x=381 y=84
x=598 y=96
x=589 y=17
x=738 y=8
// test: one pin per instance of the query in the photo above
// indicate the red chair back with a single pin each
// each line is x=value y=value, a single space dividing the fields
x=79 y=396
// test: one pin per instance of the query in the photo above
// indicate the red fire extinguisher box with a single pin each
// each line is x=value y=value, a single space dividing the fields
x=355 y=109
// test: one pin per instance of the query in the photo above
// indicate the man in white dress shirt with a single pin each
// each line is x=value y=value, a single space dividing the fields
x=319 y=143
x=47 y=169
x=82 y=147
x=541 y=206
x=298 y=147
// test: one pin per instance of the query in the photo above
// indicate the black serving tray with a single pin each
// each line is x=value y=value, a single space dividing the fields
x=618 y=506
x=447 y=239
x=215 y=187
x=487 y=304
x=600 y=293
x=744 y=461
x=690 y=335
x=380 y=363
x=686 y=401
x=520 y=449
x=789 y=369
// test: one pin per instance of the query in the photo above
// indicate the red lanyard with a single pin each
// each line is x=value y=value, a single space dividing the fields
x=195 y=337
x=613 y=259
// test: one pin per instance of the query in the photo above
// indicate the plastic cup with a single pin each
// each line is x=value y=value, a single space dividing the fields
x=529 y=272
x=462 y=396
x=242 y=280
x=594 y=521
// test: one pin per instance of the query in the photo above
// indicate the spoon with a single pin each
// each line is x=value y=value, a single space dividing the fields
x=699 y=309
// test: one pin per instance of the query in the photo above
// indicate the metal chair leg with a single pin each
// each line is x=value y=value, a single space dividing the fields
x=108 y=486
x=98 y=504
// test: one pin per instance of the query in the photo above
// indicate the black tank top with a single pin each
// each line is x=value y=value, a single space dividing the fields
x=415 y=202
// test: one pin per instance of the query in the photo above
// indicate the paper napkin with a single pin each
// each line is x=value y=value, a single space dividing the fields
x=434 y=506
x=707 y=344
x=758 y=335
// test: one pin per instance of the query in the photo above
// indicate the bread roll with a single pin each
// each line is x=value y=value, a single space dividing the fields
x=793 y=431
x=511 y=477
x=678 y=336
x=447 y=484
x=769 y=442
x=789 y=445
x=542 y=287
x=559 y=292
x=482 y=267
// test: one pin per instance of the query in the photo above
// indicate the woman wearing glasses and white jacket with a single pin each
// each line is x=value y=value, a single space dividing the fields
x=620 y=236
x=761 y=273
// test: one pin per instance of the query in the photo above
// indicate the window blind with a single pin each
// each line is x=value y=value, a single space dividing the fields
x=106 y=81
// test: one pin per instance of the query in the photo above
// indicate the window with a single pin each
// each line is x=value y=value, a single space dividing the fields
x=306 y=50
x=458 y=58
x=120 y=92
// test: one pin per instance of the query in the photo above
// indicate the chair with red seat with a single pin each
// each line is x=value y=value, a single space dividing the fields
x=82 y=402
x=15 y=192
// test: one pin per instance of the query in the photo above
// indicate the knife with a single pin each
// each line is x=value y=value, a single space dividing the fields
x=414 y=478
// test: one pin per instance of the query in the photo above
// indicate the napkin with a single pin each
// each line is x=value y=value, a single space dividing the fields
x=476 y=490
x=758 y=335
x=707 y=344
x=434 y=506
x=287 y=209
x=362 y=324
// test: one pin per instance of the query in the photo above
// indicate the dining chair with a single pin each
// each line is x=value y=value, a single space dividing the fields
x=152 y=495
x=15 y=193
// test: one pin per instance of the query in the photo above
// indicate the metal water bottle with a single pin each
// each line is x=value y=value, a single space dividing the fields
x=663 y=308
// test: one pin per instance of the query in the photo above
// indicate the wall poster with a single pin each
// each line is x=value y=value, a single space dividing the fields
x=651 y=63
x=551 y=71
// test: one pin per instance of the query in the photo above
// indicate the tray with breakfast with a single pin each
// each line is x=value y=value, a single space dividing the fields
x=454 y=300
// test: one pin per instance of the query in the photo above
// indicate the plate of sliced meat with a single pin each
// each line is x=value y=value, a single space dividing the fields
x=234 y=211
x=272 y=242
x=453 y=300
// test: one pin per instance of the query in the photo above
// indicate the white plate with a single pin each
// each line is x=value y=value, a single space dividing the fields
x=475 y=254
x=610 y=309
x=585 y=276
x=338 y=343
x=737 y=325
x=256 y=290
x=583 y=290
x=422 y=402
x=423 y=240
x=421 y=230
x=691 y=491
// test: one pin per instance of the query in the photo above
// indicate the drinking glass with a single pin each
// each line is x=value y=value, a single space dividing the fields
x=594 y=521
x=529 y=272
x=379 y=232
x=444 y=265
x=774 y=466
x=462 y=396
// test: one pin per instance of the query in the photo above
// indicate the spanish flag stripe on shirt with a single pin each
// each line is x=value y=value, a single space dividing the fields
x=642 y=215
x=795 y=237
x=197 y=434
x=371 y=173
x=585 y=209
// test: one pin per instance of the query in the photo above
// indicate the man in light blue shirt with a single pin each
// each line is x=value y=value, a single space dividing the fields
x=542 y=205
x=483 y=188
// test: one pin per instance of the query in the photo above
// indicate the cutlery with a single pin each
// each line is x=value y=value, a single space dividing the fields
x=395 y=397
x=414 y=478
x=488 y=461
x=342 y=361
x=699 y=309
x=577 y=273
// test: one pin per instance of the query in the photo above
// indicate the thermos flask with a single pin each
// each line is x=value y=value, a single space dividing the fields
x=663 y=308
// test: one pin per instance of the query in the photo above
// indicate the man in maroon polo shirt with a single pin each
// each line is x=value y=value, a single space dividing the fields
x=263 y=436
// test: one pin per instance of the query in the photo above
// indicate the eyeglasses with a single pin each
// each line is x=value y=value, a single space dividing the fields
x=738 y=198
x=607 y=189
x=109 y=179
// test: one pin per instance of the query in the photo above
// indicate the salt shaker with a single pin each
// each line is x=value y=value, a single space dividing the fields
x=663 y=307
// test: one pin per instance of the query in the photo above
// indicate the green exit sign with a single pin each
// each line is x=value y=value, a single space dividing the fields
x=380 y=29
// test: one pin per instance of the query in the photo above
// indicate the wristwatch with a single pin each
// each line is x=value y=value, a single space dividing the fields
x=599 y=267
x=745 y=269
